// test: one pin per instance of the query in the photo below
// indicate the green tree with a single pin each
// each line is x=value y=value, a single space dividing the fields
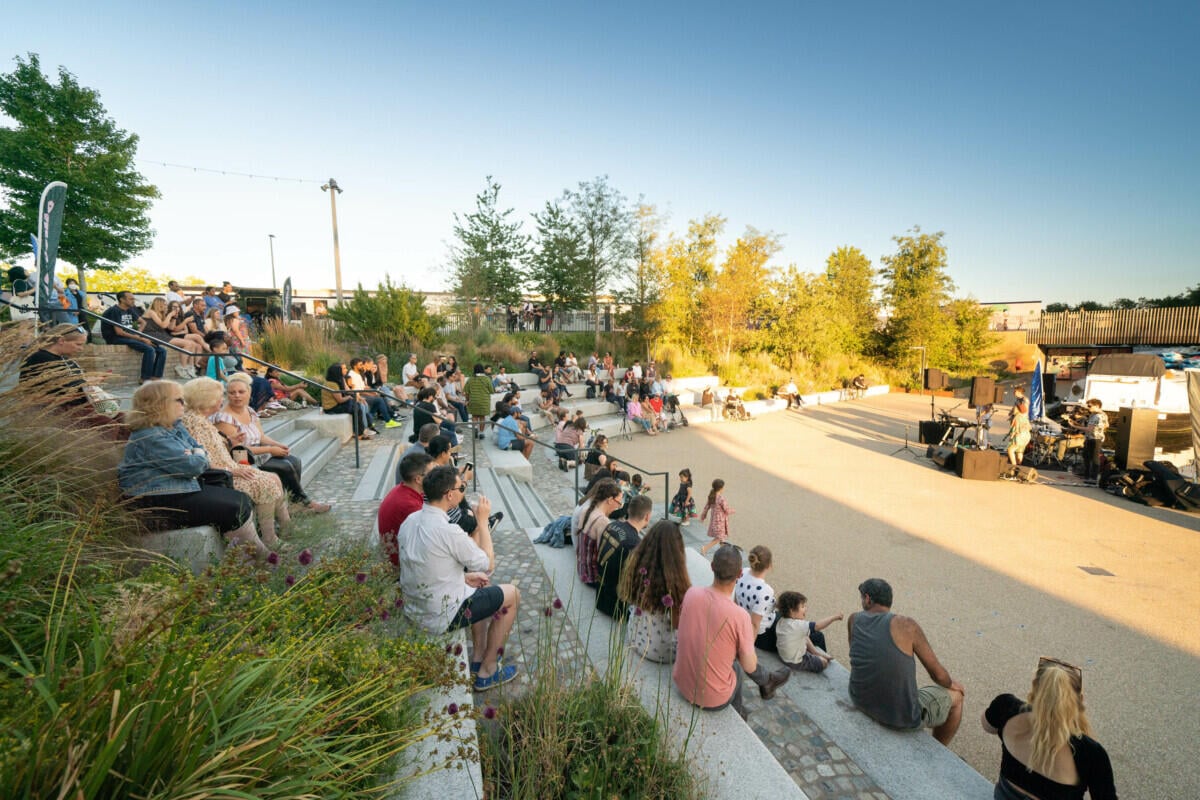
x=395 y=320
x=852 y=281
x=804 y=322
x=732 y=309
x=62 y=132
x=688 y=267
x=486 y=260
x=642 y=286
x=970 y=338
x=604 y=222
x=915 y=289
x=558 y=270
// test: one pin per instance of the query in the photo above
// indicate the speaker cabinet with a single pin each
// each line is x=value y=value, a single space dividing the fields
x=1136 y=430
x=935 y=379
x=944 y=457
x=1049 y=387
x=998 y=394
x=932 y=431
x=980 y=465
x=983 y=390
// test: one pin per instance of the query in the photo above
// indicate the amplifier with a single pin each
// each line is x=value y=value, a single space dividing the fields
x=932 y=431
x=944 y=457
x=980 y=465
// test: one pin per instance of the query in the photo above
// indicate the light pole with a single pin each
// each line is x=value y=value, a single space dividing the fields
x=271 y=242
x=334 y=190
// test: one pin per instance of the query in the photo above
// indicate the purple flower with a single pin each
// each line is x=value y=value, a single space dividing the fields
x=549 y=612
x=458 y=649
x=642 y=570
x=637 y=612
x=466 y=613
x=273 y=558
x=668 y=601
x=489 y=712
x=646 y=583
x=305 y=557
x=361 y=577
x=452 y=709
x=289 y=580
x=557 y=603
x=499 y=652
x=384 y=615
x=399 y=602
x=449 y=649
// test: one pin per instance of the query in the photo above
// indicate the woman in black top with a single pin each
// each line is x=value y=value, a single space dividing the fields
x=426 y=411
x=1047 y=752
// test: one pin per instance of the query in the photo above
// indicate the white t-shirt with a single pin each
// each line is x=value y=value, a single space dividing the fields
x=433 y=554
x=409 y=372
x=354 y=380
x=791 y=637
x=754 y=595
x=170 y=296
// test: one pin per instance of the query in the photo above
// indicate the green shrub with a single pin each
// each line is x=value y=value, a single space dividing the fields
x=309 y=346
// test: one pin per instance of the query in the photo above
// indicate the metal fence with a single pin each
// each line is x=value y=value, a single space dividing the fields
x=558 y=322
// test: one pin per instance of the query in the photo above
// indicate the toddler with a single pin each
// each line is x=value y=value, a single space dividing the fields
x=792 y=634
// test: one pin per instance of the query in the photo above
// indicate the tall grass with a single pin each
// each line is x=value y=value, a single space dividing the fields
x=309 y=346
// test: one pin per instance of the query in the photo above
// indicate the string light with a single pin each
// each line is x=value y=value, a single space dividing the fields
x=228 y=172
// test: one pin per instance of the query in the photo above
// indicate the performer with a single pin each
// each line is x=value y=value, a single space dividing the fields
x=1094 y=430
x=1018 y=433
x=1018 y=398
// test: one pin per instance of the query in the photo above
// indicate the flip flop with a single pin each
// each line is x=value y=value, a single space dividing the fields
x=503 y=674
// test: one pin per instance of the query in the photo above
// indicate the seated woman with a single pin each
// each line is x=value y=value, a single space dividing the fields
x=1046 y=747
x=238 y=417
x=202 y=398
x=157 y=322
x=606 y=498
x=655 y=571
x=597 y=457
x=568 y=436
x=51 y=370
x=633 y=411
x=162 y=465
x=426 y=411
x=753 y=593
x=294 y=394
x=336 y=399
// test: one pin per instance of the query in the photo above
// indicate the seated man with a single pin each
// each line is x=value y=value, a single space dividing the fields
x=616 y=543
x=503 y=382
x=402 y=501
x=410 y=374
x=509 y=435
x=716 y=642
x=154 y=355
x=438 y=596
x=52 y=370
x=790 y=393
x=883 y=674
x=426 y=411
x=859 y=385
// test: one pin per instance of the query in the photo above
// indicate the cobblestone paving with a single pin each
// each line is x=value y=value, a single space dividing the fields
x=815 y=762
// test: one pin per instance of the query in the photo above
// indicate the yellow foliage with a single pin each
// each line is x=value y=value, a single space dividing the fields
x=133 y=279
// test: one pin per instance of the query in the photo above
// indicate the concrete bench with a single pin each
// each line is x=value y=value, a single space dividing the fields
x=196 y=547
x=722 y=749
x=509 y=462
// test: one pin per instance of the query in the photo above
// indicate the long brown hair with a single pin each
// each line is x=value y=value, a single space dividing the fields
x=605 y=489
x=717 y=486
x=656 y=569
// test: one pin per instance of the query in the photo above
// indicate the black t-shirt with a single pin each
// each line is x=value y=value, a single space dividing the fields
x=191 y=317
x=1091 y=761
x=616 y=543
x=127 y=317
x=423 y=415
x=44 y=364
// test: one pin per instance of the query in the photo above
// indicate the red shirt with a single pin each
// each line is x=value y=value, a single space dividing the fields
x=395 y=508
x=713 y=632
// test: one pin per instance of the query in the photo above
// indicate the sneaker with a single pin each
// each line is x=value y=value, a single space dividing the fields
x=186 y=373
x=275 y=405
x=777 y=679
x=502 y=675
x=391 y=423
x=368 y=434
x=495 y=520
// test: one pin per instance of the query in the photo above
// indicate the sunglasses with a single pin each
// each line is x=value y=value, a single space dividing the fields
x=1045 y=661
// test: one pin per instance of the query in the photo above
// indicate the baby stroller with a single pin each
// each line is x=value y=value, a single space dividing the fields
x=734 y=408
x=672 y=414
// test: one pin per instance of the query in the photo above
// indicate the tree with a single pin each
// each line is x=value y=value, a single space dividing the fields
x=915 y=289
x=732 y=308
x=558 y=270
x=688 y=267
x=970 y=338
x=852 y=281
x=486 y=260
x=62 y=132
x=395 y=320
x=604 y=223
x=804 y=320
x=640 y=289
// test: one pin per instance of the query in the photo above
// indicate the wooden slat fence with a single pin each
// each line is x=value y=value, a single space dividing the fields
x=1148 y=326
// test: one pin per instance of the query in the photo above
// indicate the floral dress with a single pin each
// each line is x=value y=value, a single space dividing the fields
x=718 y=518
x=651 y=635
x=263 y=487
x=683 y=504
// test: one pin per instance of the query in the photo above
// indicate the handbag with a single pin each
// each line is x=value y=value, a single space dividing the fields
x=216 y=477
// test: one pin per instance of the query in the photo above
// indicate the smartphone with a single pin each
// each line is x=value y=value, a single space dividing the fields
x=468 y=467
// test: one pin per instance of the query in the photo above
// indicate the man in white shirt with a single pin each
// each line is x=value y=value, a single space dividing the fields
x=790 y=393
x=411 y=374
x=439 y=595
x=173 y=294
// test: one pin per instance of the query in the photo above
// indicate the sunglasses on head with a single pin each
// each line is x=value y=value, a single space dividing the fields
x=1045 y=661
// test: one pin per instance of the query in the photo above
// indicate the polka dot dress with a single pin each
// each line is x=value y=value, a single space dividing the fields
x=754 y=595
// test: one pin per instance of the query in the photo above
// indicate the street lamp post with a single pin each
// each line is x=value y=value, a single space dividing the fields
x=271 y=242
x=334 y=190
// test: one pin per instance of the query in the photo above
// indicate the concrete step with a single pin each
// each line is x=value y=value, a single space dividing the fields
x=380 y=474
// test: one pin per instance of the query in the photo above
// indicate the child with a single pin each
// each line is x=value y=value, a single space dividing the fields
x=718 y=525
x=792 y=633
x=683 y=504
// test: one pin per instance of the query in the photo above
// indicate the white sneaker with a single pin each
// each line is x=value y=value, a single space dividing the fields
x=275 y=406
x=186 y=373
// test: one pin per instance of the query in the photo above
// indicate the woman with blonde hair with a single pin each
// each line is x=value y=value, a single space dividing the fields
x=1046 y=744
x=753 y=593
x=653 y=583
x=162 y=465
x=214 y=321
x=159 y=322
x=203 y=398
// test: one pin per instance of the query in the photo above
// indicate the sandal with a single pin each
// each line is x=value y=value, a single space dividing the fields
x=314 y=507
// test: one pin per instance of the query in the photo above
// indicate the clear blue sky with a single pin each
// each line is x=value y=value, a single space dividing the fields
x=1056 y=144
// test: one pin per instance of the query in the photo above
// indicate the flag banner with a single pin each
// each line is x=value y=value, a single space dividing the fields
x=1037 y=395
x=50 y=222
x=287 y=300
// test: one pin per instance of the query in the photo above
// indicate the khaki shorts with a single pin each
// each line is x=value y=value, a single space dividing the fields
x=935 y=705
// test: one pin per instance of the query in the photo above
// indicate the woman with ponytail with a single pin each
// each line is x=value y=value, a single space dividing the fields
x=1047 y=750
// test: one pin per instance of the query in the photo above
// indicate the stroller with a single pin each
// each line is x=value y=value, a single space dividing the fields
x=672 y=414
x=734 y=408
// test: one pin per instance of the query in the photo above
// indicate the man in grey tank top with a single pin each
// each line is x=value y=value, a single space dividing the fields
x=883 y=673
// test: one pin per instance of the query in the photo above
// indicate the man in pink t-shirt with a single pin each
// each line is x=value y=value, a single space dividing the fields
x=716 y=642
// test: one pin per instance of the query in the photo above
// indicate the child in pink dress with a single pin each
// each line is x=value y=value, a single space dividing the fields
x=718 y=523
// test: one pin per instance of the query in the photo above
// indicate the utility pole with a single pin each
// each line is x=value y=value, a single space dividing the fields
x=334 y=190
x=271 y=241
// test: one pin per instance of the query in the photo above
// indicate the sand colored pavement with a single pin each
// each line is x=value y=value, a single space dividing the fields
x=990 y=569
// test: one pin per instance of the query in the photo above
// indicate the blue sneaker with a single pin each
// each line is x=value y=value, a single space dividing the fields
x=502 y=675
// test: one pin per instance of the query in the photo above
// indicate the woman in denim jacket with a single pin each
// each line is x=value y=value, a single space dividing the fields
x=161 y=466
